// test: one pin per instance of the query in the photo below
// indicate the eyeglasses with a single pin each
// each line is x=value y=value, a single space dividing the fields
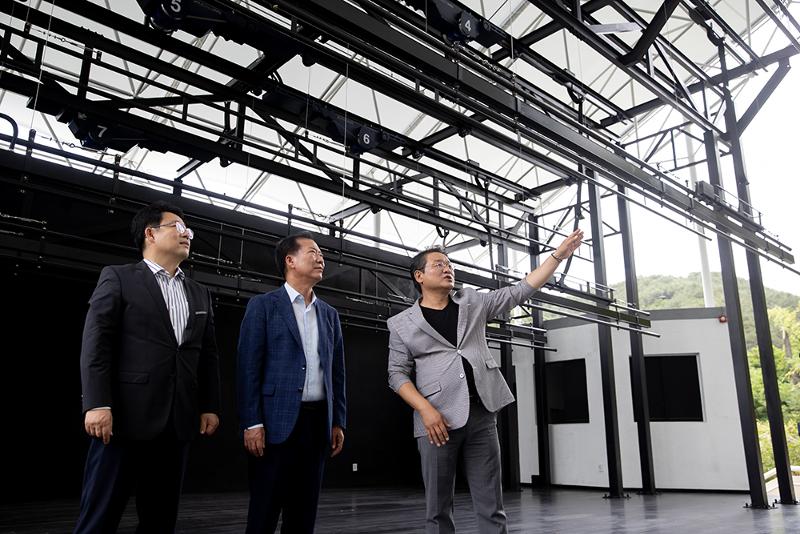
x=180 y=227
x=440 y=265
x=316 y=253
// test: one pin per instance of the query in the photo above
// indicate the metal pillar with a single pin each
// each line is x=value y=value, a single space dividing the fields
x=767 y=357
x=615 y=488
x=741 y=371
x=508 y=417
x=539 y=383
x=510 y=425
x=638 y=376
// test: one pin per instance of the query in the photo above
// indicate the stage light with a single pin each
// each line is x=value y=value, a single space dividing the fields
x=192 y=16
x=356 y=133
x=457 y=24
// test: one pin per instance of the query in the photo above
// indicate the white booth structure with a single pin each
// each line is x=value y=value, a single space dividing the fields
x=696 y=436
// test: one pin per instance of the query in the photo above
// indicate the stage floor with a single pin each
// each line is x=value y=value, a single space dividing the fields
x=401 y=511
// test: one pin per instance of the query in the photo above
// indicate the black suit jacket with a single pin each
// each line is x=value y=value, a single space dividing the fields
x=131 y=361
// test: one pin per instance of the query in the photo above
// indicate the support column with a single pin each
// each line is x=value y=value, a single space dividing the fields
x=508 y=417
x=741 y=371
x=539 y=383
x=510 y=424
x=611 y=417
x=769 y=374
x=638 y=375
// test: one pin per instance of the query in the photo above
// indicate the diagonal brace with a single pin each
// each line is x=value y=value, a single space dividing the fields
x=762 y=96
x=650 y=33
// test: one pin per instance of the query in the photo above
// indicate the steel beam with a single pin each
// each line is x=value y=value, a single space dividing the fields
x=641 y=407
x=469 y=243
x=546 y=100
x=559 y=75
x=510 y=421
x=650 y=33
x=437 y=137
x=769 y=374
x=395 y=138
x=562 y=16
x=342 y=19
x=228 y=91
x=361 y=207
x=762 y=96
x=612 y=164
x=629 y=14
x=704 y=9
x=683 y=60
x=542 y=419
x=245 y=78
x=732 y=74
x=546 y=30
x=196 y=144
x=779 y=23
x=610 y=413
x=788 y=14
x=17 y=165
x=570 y=82
x=351 y=67
x=741 y=368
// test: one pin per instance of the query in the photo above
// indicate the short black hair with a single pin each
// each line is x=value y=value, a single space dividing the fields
x=150 y=216
x=418 y=262
x=286 y=247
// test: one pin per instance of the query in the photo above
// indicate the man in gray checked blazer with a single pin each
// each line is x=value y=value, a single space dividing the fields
x=459 y=388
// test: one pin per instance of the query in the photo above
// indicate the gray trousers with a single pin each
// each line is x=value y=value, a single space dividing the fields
x=478 y=444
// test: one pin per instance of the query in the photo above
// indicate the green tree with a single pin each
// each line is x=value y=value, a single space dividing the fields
x=671 y=292
x=782 y=319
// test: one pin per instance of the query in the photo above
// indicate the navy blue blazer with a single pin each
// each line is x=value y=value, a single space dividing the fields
x=271 y=365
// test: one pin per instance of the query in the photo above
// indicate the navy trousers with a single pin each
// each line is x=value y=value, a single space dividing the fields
x=287 y=479
x=153 y=470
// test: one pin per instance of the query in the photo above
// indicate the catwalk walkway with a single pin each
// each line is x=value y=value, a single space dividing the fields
x=375 y=511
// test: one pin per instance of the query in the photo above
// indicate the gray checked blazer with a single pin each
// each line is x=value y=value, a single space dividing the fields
x=414 y=345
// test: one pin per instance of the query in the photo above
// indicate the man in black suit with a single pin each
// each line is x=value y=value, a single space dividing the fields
x=150 y=376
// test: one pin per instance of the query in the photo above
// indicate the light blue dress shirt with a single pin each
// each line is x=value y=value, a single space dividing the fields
x=306 y=316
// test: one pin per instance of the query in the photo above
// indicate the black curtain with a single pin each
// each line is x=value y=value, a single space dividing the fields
x=44 y=440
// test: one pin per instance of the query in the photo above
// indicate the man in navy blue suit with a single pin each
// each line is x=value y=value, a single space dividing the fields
x=291 y=391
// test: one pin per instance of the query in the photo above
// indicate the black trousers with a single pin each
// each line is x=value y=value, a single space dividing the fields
x=152 y=469
x=288 y=477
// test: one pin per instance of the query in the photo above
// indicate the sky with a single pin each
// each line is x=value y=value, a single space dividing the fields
x=771 y=145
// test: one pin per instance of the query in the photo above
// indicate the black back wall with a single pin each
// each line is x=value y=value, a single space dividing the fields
x=43 y=436
x=42 y=321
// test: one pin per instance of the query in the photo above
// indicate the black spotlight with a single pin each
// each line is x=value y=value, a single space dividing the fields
x=192 y=16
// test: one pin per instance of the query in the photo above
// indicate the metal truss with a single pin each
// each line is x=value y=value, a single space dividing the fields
x=27 y=236
x=535 y=121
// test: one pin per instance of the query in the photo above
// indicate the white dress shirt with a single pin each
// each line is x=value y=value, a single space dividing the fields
x=306 y=317
x=174 y=297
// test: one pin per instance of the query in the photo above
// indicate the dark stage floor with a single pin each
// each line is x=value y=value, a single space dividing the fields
x=400 y=511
